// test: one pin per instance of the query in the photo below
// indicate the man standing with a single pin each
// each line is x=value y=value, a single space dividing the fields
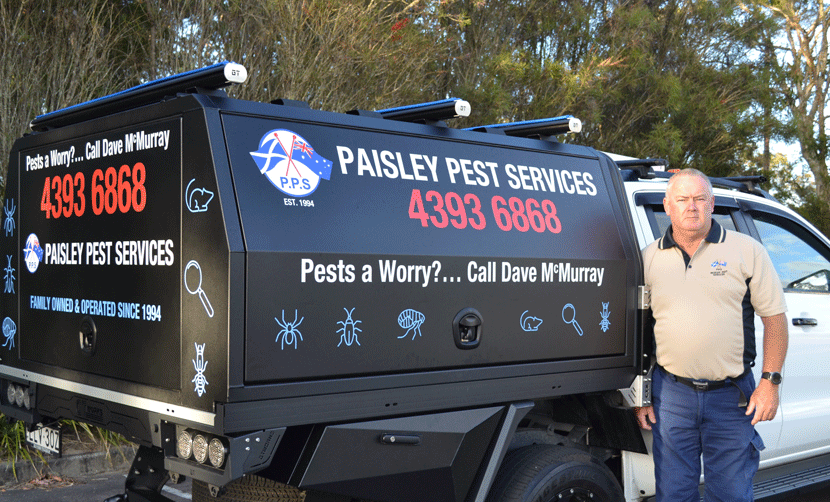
x=706 y=285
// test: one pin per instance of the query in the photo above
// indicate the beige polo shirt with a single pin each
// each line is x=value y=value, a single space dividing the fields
x=704 y=306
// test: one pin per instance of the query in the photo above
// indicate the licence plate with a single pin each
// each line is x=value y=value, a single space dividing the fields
x=45 y=439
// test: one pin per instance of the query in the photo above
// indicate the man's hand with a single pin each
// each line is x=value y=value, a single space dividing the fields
x=646 y=417
x=763 y=402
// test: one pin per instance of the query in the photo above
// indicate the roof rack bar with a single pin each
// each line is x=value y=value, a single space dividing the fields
x=211 y=77
x=429 y=112
x=750 y=182
x=540 y=127
x=746 y=184
x=635 y=169
x=650 y=162
x=644 y=168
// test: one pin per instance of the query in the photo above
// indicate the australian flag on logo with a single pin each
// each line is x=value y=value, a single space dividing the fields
x=290 y=163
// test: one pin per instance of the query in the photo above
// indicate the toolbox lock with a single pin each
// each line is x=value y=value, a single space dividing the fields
x=466 y=328
x=88 y=335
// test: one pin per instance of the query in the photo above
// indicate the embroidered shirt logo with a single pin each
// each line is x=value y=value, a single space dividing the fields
x=718 y=268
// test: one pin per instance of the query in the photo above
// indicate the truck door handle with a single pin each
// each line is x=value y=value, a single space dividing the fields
x=804 y=321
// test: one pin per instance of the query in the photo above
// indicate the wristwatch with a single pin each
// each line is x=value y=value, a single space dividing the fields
x=773 y=377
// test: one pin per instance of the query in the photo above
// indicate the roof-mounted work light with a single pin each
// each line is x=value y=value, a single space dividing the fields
x=210 y=77
x=429 y=112
x=540 y=127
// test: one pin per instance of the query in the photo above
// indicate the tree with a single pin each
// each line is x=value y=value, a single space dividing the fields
x=683 y=88
x=648 y=78
x=793 y=186
x=803 y=80
x=54 y=54
x=334 y=54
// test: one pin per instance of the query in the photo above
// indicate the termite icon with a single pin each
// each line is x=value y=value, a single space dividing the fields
x=200 y=365
x=349 y=330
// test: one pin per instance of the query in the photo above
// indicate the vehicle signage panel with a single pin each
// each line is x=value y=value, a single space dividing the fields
x=364 y=246
x=366 y=191
x=100 y=291
x=318 y=316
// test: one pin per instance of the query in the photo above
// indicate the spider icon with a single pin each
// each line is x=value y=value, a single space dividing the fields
x=289 y=333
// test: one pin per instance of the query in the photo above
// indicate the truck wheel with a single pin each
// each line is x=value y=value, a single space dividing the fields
x=249 y=489
x=546 y=473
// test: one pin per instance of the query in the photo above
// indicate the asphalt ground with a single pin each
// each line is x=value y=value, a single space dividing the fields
x=95 y=477
x=99 y=487
x=92 y=488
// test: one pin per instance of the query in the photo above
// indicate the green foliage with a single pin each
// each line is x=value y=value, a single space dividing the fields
x=700 y=83
x=796 y=188
x=101 y=438
x=13 y=440
x=13 y=443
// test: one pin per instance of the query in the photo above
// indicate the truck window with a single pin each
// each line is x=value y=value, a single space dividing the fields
x=800 y=260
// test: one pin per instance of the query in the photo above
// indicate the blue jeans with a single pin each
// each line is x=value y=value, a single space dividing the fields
x=691 y=424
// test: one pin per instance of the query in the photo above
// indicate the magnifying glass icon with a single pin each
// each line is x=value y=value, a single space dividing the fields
x=196 y=278
x=572 y=322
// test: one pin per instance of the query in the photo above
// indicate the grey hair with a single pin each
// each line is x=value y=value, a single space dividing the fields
x=689 y=171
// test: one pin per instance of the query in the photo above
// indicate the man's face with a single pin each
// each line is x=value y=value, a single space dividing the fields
x=689 y=205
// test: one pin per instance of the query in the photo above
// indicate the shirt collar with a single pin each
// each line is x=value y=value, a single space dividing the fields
x=717 y=234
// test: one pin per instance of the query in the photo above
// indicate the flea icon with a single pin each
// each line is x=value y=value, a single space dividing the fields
x=349 y=331
x=9 y=329
x=289 y=332
x=411 y=321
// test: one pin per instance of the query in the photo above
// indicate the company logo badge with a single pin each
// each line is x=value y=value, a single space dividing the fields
x=32 y=253
x=718 y=268
x=290 y=163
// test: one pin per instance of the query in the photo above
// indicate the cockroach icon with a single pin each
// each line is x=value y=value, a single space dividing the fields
x=9 y=210
x=411 y=321
x=349 y=330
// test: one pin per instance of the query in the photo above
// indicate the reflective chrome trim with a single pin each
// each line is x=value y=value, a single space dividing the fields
x=164 y=409
x=793 y=457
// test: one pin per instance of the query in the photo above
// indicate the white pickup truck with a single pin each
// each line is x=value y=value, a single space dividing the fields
x=286 y=303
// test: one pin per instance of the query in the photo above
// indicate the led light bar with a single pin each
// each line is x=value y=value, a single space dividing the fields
x=211 y=77
x=431 y=112
x=539 y=127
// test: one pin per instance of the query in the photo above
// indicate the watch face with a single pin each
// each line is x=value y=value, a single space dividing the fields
x=773 y=377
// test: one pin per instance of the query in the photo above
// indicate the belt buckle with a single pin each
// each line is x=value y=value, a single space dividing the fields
x=700 y=386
